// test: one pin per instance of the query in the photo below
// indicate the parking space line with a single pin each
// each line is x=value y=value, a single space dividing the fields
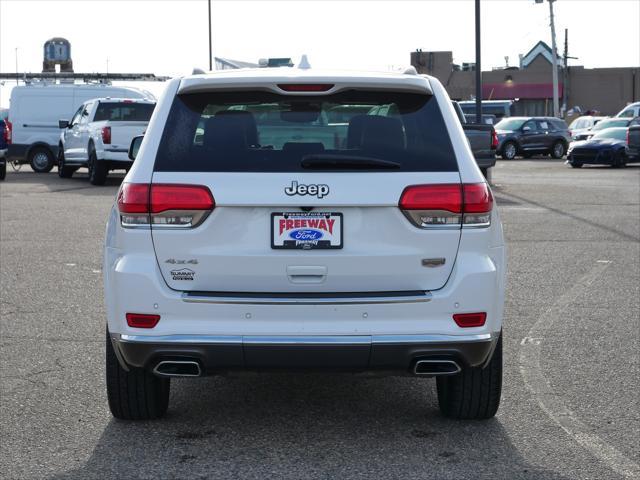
x=549 y=401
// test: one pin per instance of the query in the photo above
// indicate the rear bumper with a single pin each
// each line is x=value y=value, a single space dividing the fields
x=394 y=354
x=17 y=151
x=114 y=155
x=633 y=154
x=486 y=162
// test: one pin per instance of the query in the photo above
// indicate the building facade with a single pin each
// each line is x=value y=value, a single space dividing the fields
x=606 y=90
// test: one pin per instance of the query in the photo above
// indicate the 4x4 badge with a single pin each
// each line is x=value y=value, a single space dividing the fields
x=173 y=261
x=320 y=190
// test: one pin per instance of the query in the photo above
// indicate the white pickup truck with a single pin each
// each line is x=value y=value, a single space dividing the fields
x=99 y=134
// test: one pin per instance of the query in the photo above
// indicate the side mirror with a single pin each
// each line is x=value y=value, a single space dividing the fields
x=135 y=146
x=526 y=129
x=63 y=124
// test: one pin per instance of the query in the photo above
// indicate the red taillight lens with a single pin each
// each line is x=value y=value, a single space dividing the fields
x=467 y=320
x=494 y=140
x=447 y=197
x=180 y=197
x=477 y=198
x=8 y=132
x=164 y=205
x=133 y=198
x=305 y=87
x=142 y=320
x=106 y=135
x=450 y=205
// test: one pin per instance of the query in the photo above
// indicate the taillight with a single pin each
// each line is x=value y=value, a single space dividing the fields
x=106 y=135
x=164 y=205
x=477 y=205
x=8 y=131
x=467 y=320
x=142 y=320
x=447 y=205
x=305 y=87
x=494 y=140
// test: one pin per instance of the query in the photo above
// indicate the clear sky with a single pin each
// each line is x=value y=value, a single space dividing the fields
x=169 y=37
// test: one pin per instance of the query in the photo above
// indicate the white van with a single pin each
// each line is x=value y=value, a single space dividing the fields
x=34 y=113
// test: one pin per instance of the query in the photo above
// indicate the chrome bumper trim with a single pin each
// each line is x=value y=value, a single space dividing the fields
x=404 y=339
x=309 y=300
x=307 y=339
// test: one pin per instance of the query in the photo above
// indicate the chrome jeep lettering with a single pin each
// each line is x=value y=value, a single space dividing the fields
x=319 y=190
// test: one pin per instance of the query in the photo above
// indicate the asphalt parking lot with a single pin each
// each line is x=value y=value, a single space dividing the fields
x=570 y=407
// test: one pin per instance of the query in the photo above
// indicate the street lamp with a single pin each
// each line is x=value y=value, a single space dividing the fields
x=210 y=53
x=478 y=67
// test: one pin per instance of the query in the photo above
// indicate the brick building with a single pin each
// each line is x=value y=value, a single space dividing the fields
x=607 y=90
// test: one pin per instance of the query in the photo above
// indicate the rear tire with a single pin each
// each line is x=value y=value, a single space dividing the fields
x=474 y=393
x=41 y=159
x=3 y=171
x=64 y=171
x=558 y=150
x=576 y=165
x=97 y=170
x=136 y=394
x=509 y=151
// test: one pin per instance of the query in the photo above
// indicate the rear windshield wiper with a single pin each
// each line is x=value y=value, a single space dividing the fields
x=325 y=161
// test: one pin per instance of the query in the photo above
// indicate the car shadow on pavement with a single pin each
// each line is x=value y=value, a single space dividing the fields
x=305 y=426
x=51 y=183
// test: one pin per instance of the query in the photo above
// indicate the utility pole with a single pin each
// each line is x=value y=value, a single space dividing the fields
x=565 y=72
x=478 y=67
x=210 y=53
x=555 y=61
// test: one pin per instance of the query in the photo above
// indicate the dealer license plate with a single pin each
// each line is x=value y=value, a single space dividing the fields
x=306 y=230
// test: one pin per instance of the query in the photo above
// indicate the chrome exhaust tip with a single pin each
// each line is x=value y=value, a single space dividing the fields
x=178 y=368
x=436 y=367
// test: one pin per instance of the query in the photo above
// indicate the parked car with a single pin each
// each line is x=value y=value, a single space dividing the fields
x=498 y=108
x=630 y=111
x=632 y=149
x=606 y=147
x=376 y=248
x=34 y=113
x=527 y=136
x=99 y=134
x=602 y=125
x=583 y=124
x=482 y=140
x=3 y=149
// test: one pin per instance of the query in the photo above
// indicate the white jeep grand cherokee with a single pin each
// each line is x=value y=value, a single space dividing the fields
x=289 y=219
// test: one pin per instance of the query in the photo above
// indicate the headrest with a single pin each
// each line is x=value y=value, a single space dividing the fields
x=382 y=133
x=230 y=129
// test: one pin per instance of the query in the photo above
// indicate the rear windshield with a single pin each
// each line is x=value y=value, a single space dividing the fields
x=124 y=112
x=267 y=132
x=510 y=123
x=609 y=123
